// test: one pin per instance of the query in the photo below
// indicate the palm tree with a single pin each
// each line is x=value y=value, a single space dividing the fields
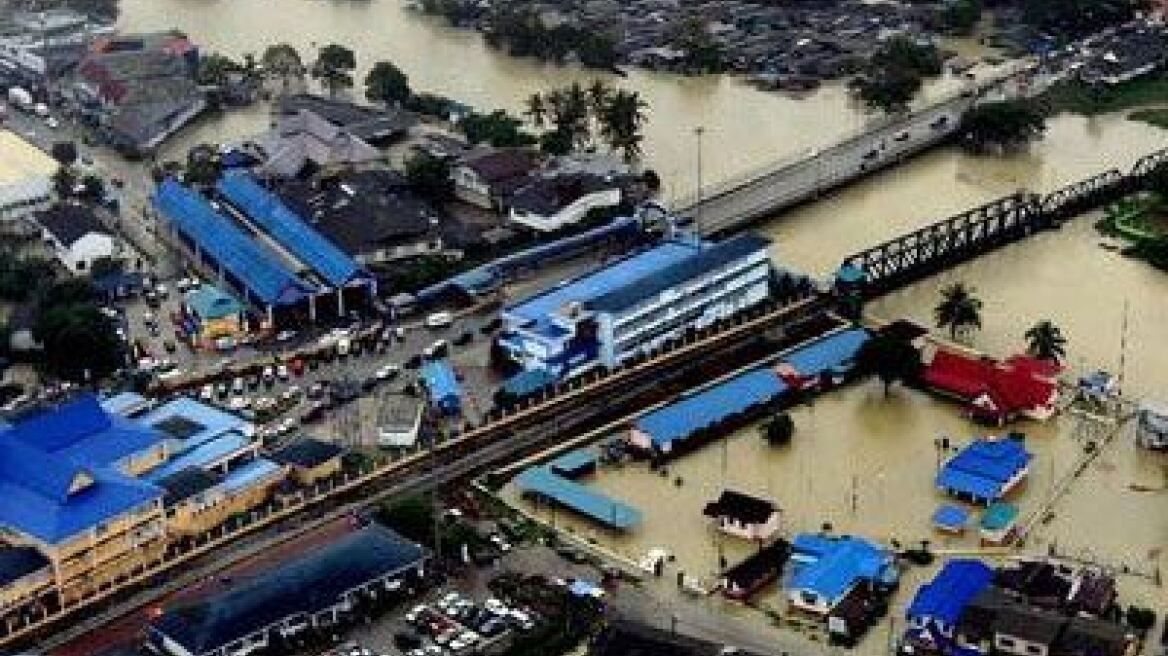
x=536 y=110
x=621 y=122
x=1046 y=341
x=598 y=95
x=959 y=309
x=578 y=107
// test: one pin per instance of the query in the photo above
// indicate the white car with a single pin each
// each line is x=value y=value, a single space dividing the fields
x=501 y=543
x=208 y=392
x=439 y=320
x=52 y=123
x=387 y=372
x=285 y=335
x=282 y=372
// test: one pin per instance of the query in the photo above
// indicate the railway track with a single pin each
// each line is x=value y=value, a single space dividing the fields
x=576 y=407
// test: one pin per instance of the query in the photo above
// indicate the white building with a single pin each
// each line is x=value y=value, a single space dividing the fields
x=26 y=176
x=76 y=236
x=744 y=516
x=487 y=179
x=634 y=305
x=550 y=203
x=1152 y=429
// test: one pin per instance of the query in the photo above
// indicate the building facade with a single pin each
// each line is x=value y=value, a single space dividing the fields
x=26 y=175
x=634 y=305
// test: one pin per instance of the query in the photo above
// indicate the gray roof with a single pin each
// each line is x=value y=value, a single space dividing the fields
x=69 y=222
x=305 y=136
x=311 y=583
x=185 y=484
x=548 y=195
x=362 y=121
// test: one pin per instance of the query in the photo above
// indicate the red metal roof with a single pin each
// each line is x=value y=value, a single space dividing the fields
x=1021 y=383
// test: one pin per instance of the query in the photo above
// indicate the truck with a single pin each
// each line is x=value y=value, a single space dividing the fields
x=20 y=98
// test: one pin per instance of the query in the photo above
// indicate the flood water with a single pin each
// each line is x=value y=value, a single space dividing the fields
x=884 y=445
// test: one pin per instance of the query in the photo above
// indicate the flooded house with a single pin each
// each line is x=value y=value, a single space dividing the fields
x=826 y=569
x=744 y=516
x=994 y=392
x=985 y=470
x=1152 y=425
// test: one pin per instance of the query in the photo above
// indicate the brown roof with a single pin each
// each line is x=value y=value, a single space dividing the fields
x=499 y=165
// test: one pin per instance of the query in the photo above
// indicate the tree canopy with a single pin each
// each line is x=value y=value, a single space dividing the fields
x=959 y=309
x=65 y=152
x=1076 y=18
x=896 y=71
x=80 y=343
x=498 y=128
x=890 y=359
x=334 y=67
x=283 y=61
x=430 y=176
x=1045 y=341
x=1003 y=125
x=386 y=83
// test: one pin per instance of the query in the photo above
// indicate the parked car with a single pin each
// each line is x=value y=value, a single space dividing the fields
x=439 y=320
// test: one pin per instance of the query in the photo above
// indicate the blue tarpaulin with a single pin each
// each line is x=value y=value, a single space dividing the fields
x=984 y=468
x=830 y=567
x=442 y=385
x=945 y=597
x=286 y=227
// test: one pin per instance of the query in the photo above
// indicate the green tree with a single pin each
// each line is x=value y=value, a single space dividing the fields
x=65 y=152
x=64 y=181
x=68 y=292
x=555 y=142
x=959 y=309
x=535 y=110
x=889 y=359
x=387 y=84
x=961 y=16
x=889 y=91
x=283 y=61
x=93 y=187
x=621 y=120
x=1045 y=341
x=334 y=67
x=214 y=69
x=779 y=430
x=703 y=54
x=1001 y=125
x=895 y=73
x=599 y=94
x=203 y=166
x=80 y=343
x=498 y=128
x=104 y=266
x=430 y=177
x=1076 y=18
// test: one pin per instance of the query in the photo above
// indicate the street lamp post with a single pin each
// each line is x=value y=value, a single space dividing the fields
x=698 y=132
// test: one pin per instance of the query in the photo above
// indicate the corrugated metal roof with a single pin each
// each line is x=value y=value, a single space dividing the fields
x=287 y=228
x=237 y=252
x=211 y=303
x=983 y=468
x=311 y=583
x=580 y=498
x=846 y=561
x=682 y=418
x=828 y=354
x=204 y=455
x=574 y=462
x=254 y=472
x=208 y=421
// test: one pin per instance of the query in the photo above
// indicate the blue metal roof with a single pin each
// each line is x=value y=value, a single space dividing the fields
x=83 y=431
x=125 y=403
x=834 y=353
x=983 y=468
x=287 y=228
x=209 y=421
x=256 y=268
x=572 y=463
x=593 y=285
x=710 y=257
x=211 y=303
x=249 y=474
x=951 y=518
x=682 y=418
x=39 y=499
x=203 y=456
x=998 y=516
x=580 y=498
x=311 y=583
x=832 y=566
x=945 y=597
x=18 y=562
x=441 y=382
x=528 y=382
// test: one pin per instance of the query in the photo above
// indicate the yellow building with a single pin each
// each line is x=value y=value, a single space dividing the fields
x=309 y=461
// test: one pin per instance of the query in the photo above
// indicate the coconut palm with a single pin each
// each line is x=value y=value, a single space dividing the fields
x=959 y=309
x=621 y=122
x=598 y=95
x=1045 y=341
x=536 y=110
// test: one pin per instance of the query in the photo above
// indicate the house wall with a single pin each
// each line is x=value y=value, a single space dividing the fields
x=26 y=587
x=202 y=512
x=80 y=256
x=310 y=475
x=19 y=197
x=417 y=248
x=569 y=215
x=750 y=531
x=810 y=601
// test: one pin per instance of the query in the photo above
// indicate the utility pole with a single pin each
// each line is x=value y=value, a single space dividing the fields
x=698 y=132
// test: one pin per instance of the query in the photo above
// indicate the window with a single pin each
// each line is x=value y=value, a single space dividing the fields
x=1035 y=650
x=80 y=265
x=1006 y=642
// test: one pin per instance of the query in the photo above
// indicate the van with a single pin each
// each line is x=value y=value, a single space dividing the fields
x=438 y=349
x=439 y=320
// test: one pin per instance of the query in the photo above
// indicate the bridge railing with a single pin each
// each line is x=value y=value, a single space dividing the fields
x=689 y=201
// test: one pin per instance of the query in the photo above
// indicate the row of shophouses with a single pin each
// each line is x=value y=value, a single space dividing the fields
x=96 y=490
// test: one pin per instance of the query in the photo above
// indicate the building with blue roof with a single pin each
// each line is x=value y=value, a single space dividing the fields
x=826 y=569
x=543 y=483
x=939 y=603
x=266 y=214
x=69 y=489
x=663 y=429
x=635 y=304
x=442 y=386
x=985 y=470
x=214 y=242
x=315 y=589
x=834 y=356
